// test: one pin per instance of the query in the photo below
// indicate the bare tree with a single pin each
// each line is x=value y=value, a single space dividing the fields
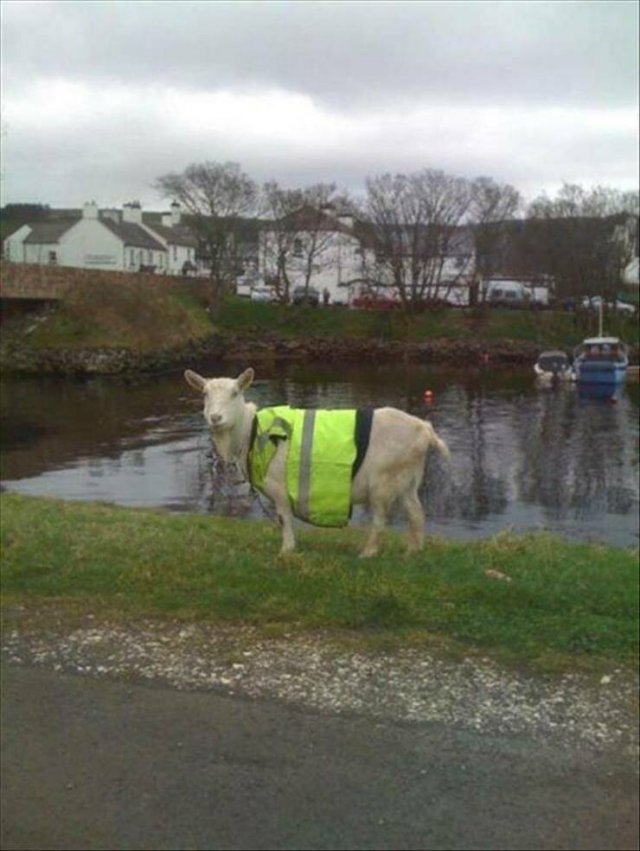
x=573 y=201
x=418 y=244
x=584 y=238
x=216 y=196
x=297 y=242
x=278 y=237
x=493 y=206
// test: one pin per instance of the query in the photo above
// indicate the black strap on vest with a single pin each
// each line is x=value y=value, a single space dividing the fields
x=364 y=418
x=252 y=439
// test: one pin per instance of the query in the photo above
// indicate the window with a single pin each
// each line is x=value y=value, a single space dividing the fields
x=132 y=257
x=175 y=252
x=150 y=258
x=53 y=258
x=297 y=247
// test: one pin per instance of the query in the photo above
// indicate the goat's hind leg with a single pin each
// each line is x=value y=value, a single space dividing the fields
x=415 y=518
x=379 y=507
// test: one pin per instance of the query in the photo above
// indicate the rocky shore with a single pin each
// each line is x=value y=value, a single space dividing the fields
x=23 y=359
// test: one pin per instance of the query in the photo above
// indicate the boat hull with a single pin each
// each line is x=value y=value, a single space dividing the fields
x=594 y=372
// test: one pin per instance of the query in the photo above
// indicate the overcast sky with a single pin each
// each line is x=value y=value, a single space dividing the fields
x=100 y=98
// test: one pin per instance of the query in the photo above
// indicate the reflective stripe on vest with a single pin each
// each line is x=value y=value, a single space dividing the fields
x=320 y=459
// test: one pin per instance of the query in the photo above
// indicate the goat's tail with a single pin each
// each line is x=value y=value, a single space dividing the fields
x=437 y=443
x=442 y=447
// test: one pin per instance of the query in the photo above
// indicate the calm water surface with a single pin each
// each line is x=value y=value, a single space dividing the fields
x=523 y=458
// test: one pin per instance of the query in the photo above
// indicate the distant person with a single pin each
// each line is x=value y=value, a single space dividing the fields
x=326 y=296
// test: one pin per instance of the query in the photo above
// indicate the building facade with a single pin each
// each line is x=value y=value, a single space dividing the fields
x=114 y=240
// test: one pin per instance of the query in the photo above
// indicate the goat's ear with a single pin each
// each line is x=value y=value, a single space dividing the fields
x=243 y=381
x=194 y=380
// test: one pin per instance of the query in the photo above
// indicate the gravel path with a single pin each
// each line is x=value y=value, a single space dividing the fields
x=324 y=674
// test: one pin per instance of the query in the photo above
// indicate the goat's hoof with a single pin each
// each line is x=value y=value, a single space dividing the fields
x=285 y=553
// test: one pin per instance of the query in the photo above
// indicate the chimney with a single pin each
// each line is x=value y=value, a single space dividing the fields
x=132 y=213
x=112 y=215
x=172 y=219
x=90 y=210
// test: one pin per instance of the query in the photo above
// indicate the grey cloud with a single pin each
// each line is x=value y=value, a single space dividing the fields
x=346 y=54
x=66 y=168
x=379 y=67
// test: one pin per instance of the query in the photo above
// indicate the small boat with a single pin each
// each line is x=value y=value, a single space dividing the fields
x=553 y=365
x=601 y=360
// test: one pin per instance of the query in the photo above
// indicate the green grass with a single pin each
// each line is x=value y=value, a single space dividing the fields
x=567 y=604
x=546 y=328
x=127 y=315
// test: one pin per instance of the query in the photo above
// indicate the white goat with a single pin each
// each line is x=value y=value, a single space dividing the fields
x=391 y=471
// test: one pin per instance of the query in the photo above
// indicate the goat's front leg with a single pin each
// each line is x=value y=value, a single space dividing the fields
x=275 y=488
x=285 y=519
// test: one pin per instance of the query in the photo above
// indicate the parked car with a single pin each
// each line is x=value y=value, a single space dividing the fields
x=305 y=295
x=371 y=301
x=594 y=303
x=262 y=294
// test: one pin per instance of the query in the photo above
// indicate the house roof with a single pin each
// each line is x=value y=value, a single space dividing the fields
x=133 y=235
x=310 y=219
x=46 y=233
x=174 y=235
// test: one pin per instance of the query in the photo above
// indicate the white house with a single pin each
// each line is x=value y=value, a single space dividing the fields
x=117 y=240
x=320 y=241
x=36 y=243
x=340 y=253
x=178 y=240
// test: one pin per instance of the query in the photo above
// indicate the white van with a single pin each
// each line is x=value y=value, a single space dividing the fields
x=515 y=294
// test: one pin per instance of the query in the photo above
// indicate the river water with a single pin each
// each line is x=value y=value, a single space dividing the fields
x=523 y=457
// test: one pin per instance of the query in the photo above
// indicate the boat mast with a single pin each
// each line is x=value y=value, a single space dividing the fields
x=600 y=319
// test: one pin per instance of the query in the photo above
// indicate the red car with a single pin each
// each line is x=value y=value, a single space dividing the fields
x=374 y=302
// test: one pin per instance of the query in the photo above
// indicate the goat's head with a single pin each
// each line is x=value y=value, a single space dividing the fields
x=223 y=399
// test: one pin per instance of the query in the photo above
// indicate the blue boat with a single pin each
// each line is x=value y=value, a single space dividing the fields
x=601 y=360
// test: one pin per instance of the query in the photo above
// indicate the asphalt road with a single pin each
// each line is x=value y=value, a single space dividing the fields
x=106 y=764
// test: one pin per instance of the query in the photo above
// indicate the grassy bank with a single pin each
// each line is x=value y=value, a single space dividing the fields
x=125 y=315
x=143 y=318
x=547 y=328
x=566 y=604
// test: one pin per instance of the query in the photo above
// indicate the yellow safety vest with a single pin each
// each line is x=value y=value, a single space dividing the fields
x=320 y=458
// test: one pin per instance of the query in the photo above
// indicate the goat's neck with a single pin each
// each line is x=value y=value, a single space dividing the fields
x=232 y=445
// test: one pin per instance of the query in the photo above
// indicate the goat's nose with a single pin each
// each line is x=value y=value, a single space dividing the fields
x=215 y=419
